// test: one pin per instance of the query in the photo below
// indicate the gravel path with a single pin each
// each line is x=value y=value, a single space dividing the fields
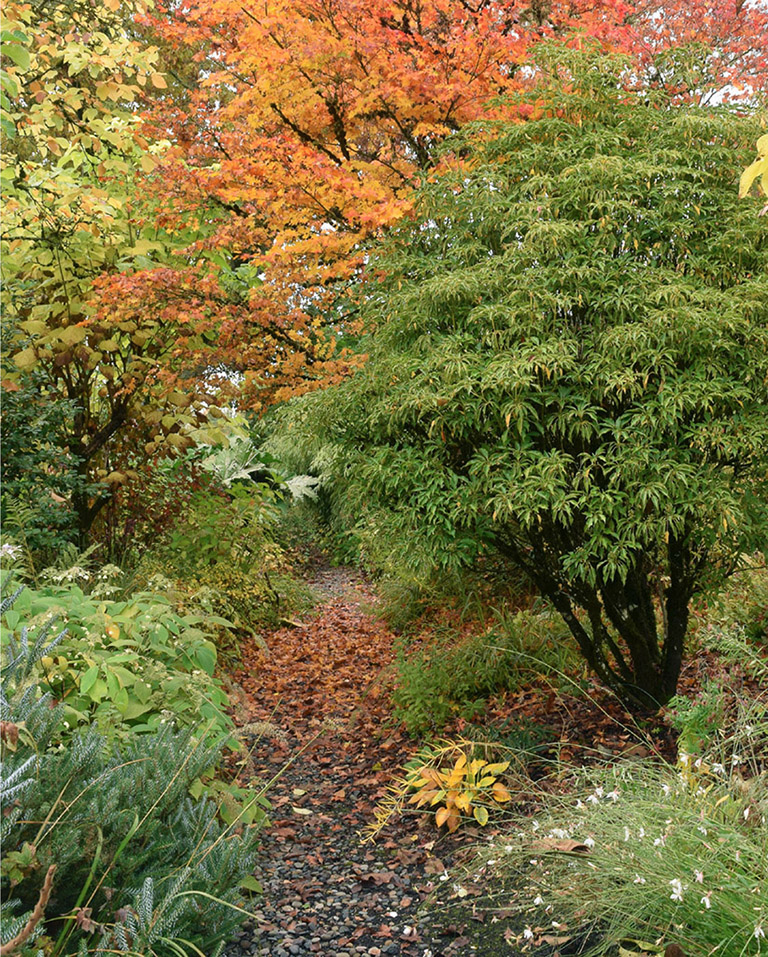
x=313 y=710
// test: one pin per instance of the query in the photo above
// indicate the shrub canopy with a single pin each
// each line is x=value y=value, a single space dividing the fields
x=571 y=364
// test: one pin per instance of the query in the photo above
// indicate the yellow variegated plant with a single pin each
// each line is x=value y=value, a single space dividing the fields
x=467 y=789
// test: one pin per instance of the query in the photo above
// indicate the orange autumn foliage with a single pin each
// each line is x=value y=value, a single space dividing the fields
x=298 y=131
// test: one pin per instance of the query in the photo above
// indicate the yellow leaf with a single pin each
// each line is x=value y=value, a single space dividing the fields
x=751 y=173
x=481 y=815
x=500 y=794
x=487 y=781
x=113 y=631
x=147 y=163
x=442 y=816
x=499 y=768
x=25 y=359
x=463 y=801
x=158 y=81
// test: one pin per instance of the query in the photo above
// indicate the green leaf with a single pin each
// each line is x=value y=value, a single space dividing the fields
x=88 y=680
x=205 y=656
x=250 y=883
x=17 y=53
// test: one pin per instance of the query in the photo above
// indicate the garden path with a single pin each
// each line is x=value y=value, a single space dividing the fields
x=315 y=708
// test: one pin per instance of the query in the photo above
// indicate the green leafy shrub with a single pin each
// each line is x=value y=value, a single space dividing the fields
x=745 y=601
x=125 y=666
x=557 y=368
x=141 y=867
x=37 y=474
x=452 y=677
x=223 y=554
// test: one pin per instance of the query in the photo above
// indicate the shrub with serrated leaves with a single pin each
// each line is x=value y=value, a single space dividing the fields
x=570 y=363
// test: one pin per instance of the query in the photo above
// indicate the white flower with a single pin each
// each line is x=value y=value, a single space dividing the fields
x=736 y=759
x=666 y=789
x=706 y=901
x=559 y=833
x=659 y=841
x=459 y=890
x=677 y=890
x=490 y=862
x=641 y=833
x=699 y=875
x=444 y=876
x=538 y=900
x=746 y=812
x=589 y=842
x=508 y=848
x=759 y=932
x=535 y=825
x=702 y=829
x=626 y=833
x=592 y=799
x=528 y=933
x=697 y=763
x=638 y=879
x=9 y=551
x=579 y=804
x=718 y=768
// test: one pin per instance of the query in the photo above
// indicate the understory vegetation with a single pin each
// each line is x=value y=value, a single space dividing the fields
x=498 y=338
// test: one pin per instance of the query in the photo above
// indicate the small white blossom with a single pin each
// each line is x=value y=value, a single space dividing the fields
x=702 y=829
x=659 y=841
x=535 y=825
x=718 y=768
x=613 y=795
x=699 y=875
x=459 y=890
x=626 y=833
x=444 y=876
x=759 y=932
x=589 y=842
x=677 y=889
x=579 y=804
x=638 y=879
x=736 y=759
x=592 y=799
x=528 y=933
x=599 y=792
x=9 y=551
x=706 y=901
x=641 y=833
x=538 y=900
x=666 y=789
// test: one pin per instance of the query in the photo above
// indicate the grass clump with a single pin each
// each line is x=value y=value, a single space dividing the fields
x=453 y=676
x=661 y=854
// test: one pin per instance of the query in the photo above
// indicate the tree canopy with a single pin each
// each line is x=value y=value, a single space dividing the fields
x=572 y=365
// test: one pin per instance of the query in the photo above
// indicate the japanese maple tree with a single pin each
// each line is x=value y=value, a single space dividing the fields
x=300 y=129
